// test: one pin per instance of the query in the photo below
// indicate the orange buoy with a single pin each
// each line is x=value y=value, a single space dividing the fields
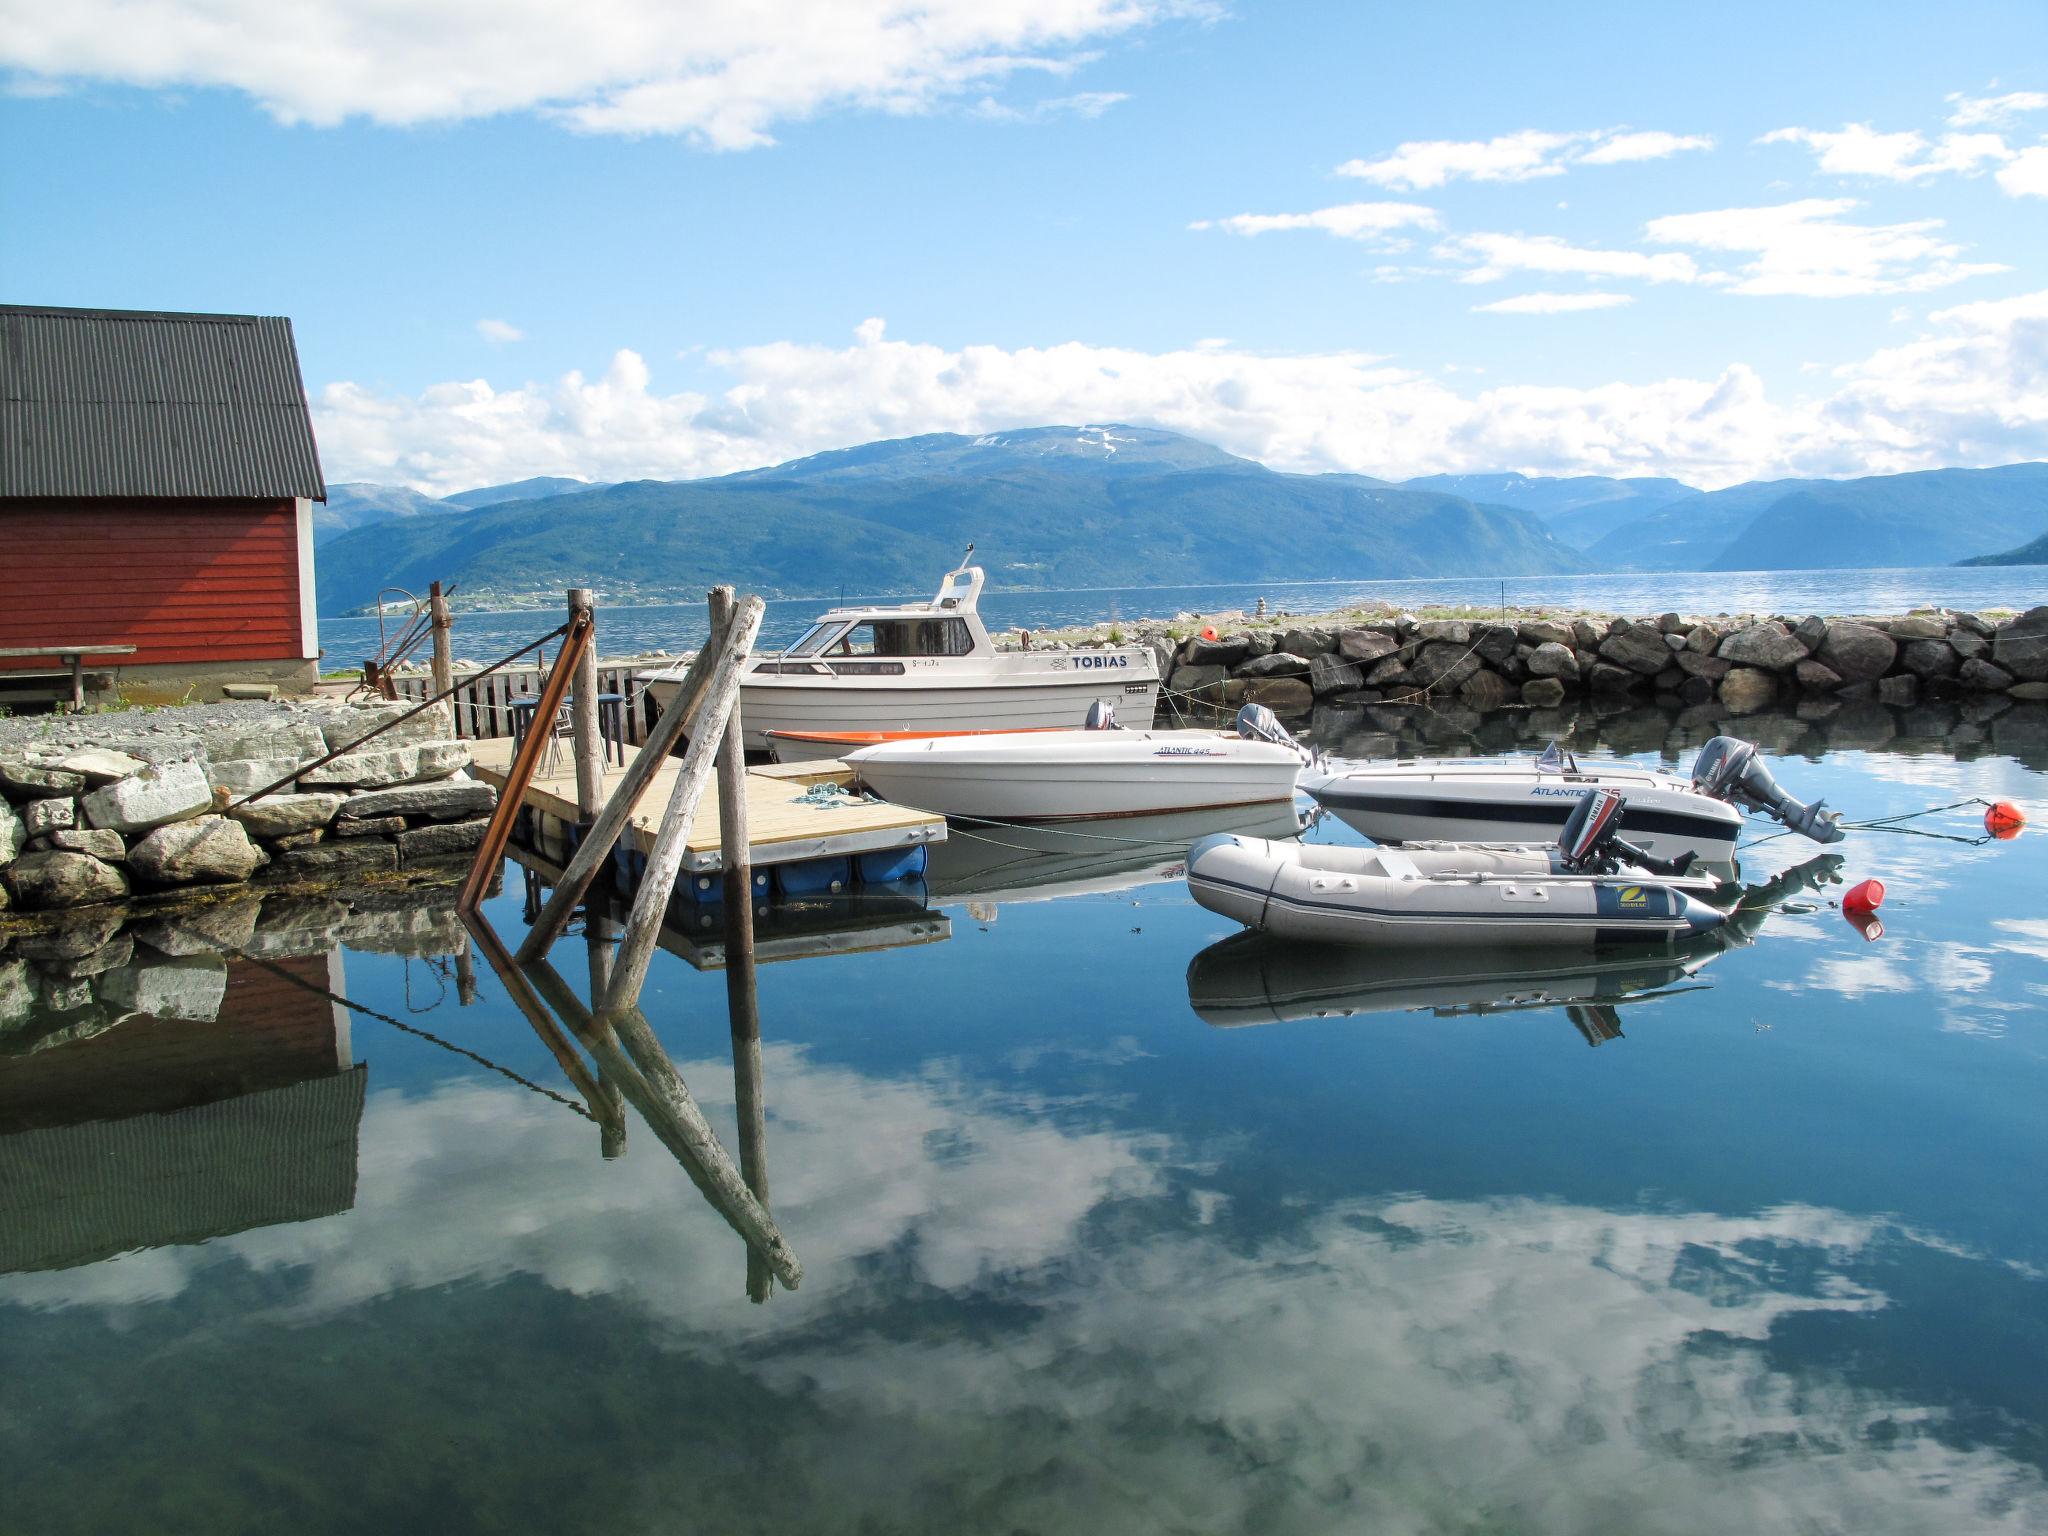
x=1208 y=631
x=1866 y=896
x=2004 y=819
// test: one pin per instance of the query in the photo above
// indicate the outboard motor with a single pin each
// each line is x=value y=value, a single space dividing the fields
x=1591 y=842
x=1733 y=770
x=1255 y=722
x=1101 y=717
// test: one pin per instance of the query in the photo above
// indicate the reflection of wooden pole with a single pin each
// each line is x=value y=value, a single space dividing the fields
x=444 y=650
x=674 y=1116
x=583 y=733
x=465 y=977
x=682 y=713
x=598 y=936
x=748 y=1103
x=521 y=990
x=665 y=862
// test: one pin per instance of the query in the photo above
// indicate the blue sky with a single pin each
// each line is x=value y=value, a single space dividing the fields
x=658 y=239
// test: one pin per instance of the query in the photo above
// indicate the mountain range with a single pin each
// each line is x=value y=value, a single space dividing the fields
x=1120 y=505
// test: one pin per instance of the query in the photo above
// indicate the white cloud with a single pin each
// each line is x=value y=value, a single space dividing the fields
x=1623 y=148
x=1807 y=248
x=723 y=72
x=2026 y=174
x=1552 y=303
x=499 y=330
x=1511 y=157
x=1349 y=221
x=1857 y=149
x=1518 y=156
x=1087 y=104
x=1975 y=111
x=1494 y=256
x=1973 y=390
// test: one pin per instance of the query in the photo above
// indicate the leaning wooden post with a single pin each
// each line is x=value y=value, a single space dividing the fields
x=681 y=717
x=599 y=934
x=444 y=648
x=735 y=852
x=583 y=732
x=665 y=862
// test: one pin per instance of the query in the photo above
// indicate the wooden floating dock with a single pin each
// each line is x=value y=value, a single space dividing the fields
x=781 y=827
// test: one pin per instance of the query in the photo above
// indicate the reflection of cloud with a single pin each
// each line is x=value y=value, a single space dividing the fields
x=2029 y=936
x=1395 y=1364
x=1852 y=976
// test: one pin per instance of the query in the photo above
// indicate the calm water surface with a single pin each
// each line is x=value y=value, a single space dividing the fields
x=674 y=627
x=1109 y=1221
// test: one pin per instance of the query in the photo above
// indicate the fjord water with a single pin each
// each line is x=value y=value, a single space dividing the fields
x=628 y=629
x=1086 y=1248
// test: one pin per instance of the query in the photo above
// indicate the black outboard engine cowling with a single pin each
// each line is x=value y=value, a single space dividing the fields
x=1255 y=722
x=1733 y=770
x=1101 y=717
x=1591 y=843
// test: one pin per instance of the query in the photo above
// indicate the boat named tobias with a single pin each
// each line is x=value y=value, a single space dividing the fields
x=930 y=667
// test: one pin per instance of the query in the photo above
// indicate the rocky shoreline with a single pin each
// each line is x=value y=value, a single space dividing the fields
x=1744 y=664
x=142 y=807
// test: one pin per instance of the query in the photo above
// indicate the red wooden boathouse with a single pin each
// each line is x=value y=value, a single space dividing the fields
x=157 y=476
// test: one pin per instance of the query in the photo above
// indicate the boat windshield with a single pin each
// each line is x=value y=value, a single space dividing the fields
x=816 y=638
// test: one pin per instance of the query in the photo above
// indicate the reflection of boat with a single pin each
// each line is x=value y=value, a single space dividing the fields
x=929 y=666
x=1039 y=863
x=1255 y=978
x=1078 y=775
x=1590 y=888
x=1527 y=799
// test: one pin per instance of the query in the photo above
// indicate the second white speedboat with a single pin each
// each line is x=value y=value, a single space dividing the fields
x=1078 y=775
x=1529 y=799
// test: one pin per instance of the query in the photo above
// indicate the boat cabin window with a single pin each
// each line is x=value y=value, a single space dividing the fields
x=904 y=637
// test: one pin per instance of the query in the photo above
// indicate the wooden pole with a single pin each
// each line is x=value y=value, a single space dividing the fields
x=520 y=774
x=583 y=732
x=444 y=649
x=665 y=862
x=681 y=715
x=735 y=849
x=599 y=934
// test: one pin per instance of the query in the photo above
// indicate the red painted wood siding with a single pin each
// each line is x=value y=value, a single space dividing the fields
x=179 y=580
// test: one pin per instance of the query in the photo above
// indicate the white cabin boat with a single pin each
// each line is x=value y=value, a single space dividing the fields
x=929 y=667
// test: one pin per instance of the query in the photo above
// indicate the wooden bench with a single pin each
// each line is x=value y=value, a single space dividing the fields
x=72 y=656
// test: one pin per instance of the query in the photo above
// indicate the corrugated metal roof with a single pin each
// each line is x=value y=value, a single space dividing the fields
x=116 y=402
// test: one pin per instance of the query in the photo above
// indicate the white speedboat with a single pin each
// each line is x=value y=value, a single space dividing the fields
x=1075 y=775
x=1528 y=799
x=928 y=667
x=1590 y=888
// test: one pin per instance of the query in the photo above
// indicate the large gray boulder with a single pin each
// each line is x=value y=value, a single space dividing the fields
x=1365 y=645
x=26 y=780
x=1330 y=673
x=13 y=835
x=1226 y=652
x=1306 y=642
x=1982 y=675
x=1769 y=645
x=367 y=769
x=1553 y=659
x=209 y=850
x=100 y=842
x=1747 y=689
x=1276 y=664
x=441 y=802
x=42 y=882
x=1545 y=632
x=155 y=797
x=441 y=839
x=1638 y=648
x=1450 y=631
x=1443 y=664
x=1485 y=690
x=1817 y=676
x=1699 y=664
x=1543 y=692
x=98 y=765
x=344 y=729
x=1858 y=652
x=1928 y=659
x=246 y=775
x=2021 y=647
x=326 y=861
x=1494 y=643
x=1915 y=627
x=42 y=817
x=282 y=815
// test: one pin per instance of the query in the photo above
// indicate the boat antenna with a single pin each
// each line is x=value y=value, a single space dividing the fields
x=965 y=558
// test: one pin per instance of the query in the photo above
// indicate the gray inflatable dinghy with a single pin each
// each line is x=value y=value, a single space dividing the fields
x=1590 y=888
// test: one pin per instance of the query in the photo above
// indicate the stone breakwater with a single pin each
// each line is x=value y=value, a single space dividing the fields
x=1744 y=665
x=102 y=809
